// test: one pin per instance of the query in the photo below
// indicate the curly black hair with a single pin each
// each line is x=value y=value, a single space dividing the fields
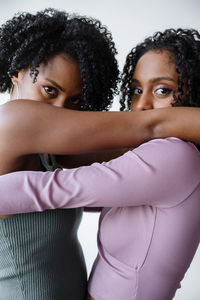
x=184 y=46
x=27 y=40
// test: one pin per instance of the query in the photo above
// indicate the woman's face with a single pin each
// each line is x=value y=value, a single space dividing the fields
x=58 y=83
x=154 y=80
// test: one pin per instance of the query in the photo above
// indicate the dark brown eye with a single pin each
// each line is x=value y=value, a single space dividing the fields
x=50 y=90
x=162 y=92
x=75 y=100
x=135 y=91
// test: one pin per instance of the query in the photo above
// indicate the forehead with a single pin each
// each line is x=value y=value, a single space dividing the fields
x=62 y=69
x=58 y=63
x=155 y=64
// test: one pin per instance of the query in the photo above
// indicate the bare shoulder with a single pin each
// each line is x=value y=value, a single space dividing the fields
x=25 y=127
x=13 y=135
x=14 y=127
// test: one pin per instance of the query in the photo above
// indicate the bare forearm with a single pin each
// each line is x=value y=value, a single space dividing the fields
x=32 y=127
x=134 y=128
x=130 y=129
x=181 y=122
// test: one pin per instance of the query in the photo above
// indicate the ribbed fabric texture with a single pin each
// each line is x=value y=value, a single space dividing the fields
x=41 y=258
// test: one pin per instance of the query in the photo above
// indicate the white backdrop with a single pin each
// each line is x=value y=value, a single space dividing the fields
x=130 y=21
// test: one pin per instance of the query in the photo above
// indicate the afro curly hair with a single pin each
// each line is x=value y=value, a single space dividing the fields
x=27 y=40
x=184 y=45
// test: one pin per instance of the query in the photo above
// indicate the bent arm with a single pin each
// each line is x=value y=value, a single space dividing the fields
x=31 y=127
x=158 y=173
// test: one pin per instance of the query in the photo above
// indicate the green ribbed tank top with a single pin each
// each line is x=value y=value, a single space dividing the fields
x=41 y=258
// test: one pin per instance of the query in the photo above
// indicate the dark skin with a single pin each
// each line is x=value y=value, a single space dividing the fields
x=33 y=126
x=154 y=80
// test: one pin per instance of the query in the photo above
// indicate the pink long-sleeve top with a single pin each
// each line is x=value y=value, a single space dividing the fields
x=149 y=229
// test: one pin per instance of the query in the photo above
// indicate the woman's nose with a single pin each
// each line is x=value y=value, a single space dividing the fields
x=59 y=103
x=144 y=102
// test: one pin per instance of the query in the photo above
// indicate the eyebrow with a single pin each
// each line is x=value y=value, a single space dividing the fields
x=162 y=78
x=55 y=83
x=153 y=80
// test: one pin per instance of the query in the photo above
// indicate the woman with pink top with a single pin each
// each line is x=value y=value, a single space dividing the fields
x=148 y=238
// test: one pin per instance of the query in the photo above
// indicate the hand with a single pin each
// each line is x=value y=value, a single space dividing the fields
x=89 y=297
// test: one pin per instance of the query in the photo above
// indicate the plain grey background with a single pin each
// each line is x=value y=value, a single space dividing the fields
x=130 y=22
